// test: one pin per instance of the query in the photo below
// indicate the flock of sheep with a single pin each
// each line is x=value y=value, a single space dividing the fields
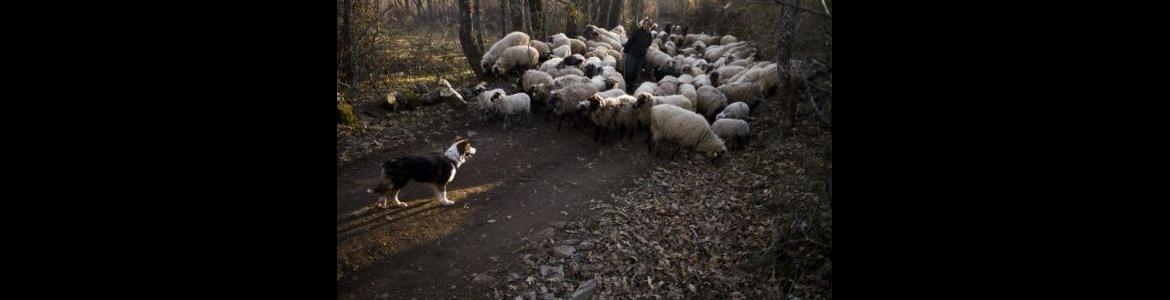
x=705 y=85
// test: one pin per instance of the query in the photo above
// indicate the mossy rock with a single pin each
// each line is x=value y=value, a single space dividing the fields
x=345 y=114
x=412 y=99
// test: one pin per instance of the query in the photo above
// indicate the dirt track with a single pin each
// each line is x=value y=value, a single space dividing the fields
x=522 y=180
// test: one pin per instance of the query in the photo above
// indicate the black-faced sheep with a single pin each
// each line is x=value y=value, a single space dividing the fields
x=737 y=110
x=724 y=73
x=736 y=132
x=529 y=81
x=512 y=39
x=686 y=129
x=710 y=102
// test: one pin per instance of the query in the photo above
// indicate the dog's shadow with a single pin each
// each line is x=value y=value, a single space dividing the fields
x=373 y=220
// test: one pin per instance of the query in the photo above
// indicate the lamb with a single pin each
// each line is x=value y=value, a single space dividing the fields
x=735 y=131
x=646 y=87
x=564 y=101
x=562 y=51
x=688 y=90
x=516 y=57
x=685 y=128
x=484 y=100
x=511 y=105
x=737 y=110
x=511 y=40
x=710 y=102
x=742 y=91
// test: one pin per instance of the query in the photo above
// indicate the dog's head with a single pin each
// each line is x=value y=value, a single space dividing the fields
x=463 y=147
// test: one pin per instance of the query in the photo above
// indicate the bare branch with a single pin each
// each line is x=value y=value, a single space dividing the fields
x=810 y=11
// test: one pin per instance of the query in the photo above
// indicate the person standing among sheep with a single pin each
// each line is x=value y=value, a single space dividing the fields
x=635 y=47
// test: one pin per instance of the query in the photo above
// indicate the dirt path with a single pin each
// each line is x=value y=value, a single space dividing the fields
x=523 y=181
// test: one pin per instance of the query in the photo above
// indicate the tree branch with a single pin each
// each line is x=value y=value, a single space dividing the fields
x=810 y=11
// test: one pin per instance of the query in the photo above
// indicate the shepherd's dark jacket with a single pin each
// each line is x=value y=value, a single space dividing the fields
x=637 y=43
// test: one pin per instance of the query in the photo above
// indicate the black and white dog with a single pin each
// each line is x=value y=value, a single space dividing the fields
x=435 y=170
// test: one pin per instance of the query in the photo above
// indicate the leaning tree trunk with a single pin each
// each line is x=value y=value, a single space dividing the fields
x=351 y=73
x=469 y=48
x=788 y=96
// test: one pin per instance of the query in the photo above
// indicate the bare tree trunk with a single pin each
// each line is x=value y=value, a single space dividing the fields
x=503 y=18
x=479 y=27
x=351 y=73
x=535 y=18
x=788 y=94
x=469 y=48
x=615 y=13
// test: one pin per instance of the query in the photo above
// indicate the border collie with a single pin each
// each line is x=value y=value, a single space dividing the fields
x=434 y=170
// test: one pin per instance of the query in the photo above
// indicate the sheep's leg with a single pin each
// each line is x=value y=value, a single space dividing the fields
x=559 y=122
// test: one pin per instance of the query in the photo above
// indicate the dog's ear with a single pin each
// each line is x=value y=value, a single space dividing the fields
x=459 y=139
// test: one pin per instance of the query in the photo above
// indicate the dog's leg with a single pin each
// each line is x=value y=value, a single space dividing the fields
x=441 y=194
x=394 y=193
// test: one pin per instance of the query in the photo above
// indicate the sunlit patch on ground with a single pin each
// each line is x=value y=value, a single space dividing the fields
x=378 y=233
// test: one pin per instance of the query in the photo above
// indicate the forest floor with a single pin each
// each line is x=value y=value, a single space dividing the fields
x=542 y=213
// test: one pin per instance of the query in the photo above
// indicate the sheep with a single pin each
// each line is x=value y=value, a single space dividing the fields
x=572 y=60
x=564 y=100
x=735 y=132
x=686 y=78
x=646 y=87
x=721 y=62
x=541 y=47
x=483 y=100
x=621 y=33
x=577 y=46
x=561 y=72
x=727 y=39
x=685 y=128
x=511 y=105
x=669 y=48
x=715 y=52
x=516 y=57
x=688 y=90
x=766 y=78
x=667 y=86
x=612 y=93
x=646 y=101
x=562 y=51
x=737 y=110
x=748 y=62
x=613 y=78
x=512 y=39
x=529 y=81
x=601 y=113
x=726 y=72
x=567 y=80
x=609 y=61
x=659 y=60
x=710 y=101
x=602 y=35
x=742 y=91
x=702 y=80
x=598 y=82
x=699 y=46
x=550 y=64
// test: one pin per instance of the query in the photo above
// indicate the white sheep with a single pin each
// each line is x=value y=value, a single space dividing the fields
x=659 y=60
x=598 y=82
x=727 y=39
x=511 y=105
x=564 y=100
x=686 y=129
x=550 y=64
x=765 y=77
x=561 y=72
x=562 y=51
x=742 y=91
x=667 y=86
x=646 y=87
x=688 y=90
x=521 y=57
x=567 y=80
x=512 y=39
x=646 y=101
x=483 y=100
x=613 y=78
x=702 y=80
x=737 y=110
x=724 y=73
x=528 y=83
x=711 y=101
x=736 y=132
x=687 y=78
